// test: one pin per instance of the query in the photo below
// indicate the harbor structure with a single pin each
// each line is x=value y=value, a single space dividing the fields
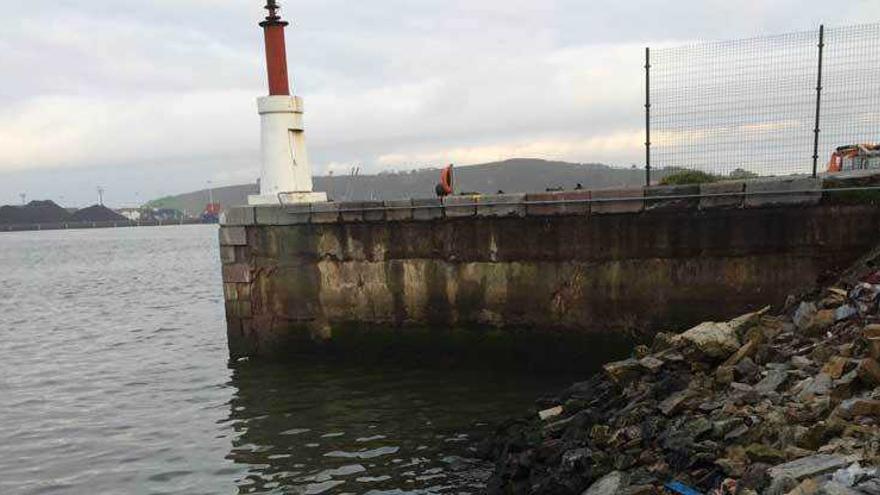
x=559 y=275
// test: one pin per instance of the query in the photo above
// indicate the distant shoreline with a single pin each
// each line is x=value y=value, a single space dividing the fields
x=96 y=225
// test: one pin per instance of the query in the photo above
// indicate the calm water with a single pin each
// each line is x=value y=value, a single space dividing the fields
x=114 y=379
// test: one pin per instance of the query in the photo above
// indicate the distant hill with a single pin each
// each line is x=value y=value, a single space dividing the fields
x=518 y=175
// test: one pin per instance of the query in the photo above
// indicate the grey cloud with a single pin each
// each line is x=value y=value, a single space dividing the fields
x=168 y=85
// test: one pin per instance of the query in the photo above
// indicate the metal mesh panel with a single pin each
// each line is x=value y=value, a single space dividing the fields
x=750 y=105
x=850 y=112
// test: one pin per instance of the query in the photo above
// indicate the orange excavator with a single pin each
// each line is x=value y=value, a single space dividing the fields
x=855 y=157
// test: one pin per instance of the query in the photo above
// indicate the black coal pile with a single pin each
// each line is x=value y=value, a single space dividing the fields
x=784 y=404
x=35 y=212
x=97 y=213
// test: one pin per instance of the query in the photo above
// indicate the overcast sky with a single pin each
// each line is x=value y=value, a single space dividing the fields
x=148 y=98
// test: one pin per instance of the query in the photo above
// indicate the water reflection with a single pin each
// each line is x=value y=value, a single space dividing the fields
x=115 y=380
x=332 y=428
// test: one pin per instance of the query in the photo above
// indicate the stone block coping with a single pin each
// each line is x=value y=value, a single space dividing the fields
x=325 y=213
x=361 y=211
x=608 y=201
x=283 y=215
x=399 y=210
x=501 y=205
x=460 y=206
x=427 y=209
x=861 y=186
x=792 y=191
x=728 y=194
x=558 y=203
x=374 y=211
x=679 y=197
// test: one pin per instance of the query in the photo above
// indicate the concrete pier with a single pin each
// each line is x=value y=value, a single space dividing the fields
x=584 y=264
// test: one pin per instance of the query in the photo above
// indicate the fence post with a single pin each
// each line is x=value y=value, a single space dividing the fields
x=816 y=130
x=648 y=116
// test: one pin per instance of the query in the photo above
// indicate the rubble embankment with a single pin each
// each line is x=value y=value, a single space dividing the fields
x=763 y=404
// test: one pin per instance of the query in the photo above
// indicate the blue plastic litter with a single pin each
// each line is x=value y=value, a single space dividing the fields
x=680 y=488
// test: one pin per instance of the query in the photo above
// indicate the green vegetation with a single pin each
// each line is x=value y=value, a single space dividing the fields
x=742 y=174
x=688 y=177
x=679 y=177
x=169 y=202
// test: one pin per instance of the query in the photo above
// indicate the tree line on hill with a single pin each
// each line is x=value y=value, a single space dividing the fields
x=518 y=175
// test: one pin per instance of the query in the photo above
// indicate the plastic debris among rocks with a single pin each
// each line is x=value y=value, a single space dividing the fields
x=762 y=404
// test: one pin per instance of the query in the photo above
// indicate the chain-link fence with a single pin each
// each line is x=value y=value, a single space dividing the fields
x=753 y=107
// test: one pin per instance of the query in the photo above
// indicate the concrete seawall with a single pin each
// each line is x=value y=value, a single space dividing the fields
x=578 y=265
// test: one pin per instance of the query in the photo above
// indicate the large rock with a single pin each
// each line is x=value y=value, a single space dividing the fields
x=803 y=316
x=835 y=366
x=823 y=319
x=814 y=386
x=807 y=487
x=869 y=372
x=834 y=488
x=772 y=382
x=550 y=413
x=716 y=340
x=719 y=340
x=762 y=453
x=854 y=475
x=808 y=467
x=872 y=335
x=870 y=487
x=748 y=349
x=651 y=364
x=673 y=404
x=746 y=370
x=610 y=484
x=623 y=372
x=859 y=407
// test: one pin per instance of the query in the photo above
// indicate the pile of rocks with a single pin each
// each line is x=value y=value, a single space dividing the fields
x=761 y=404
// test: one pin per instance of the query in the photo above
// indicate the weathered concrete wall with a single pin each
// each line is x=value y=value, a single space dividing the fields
x=589 y=266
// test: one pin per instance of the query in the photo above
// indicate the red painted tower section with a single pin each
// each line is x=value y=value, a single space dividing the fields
x=276 y=51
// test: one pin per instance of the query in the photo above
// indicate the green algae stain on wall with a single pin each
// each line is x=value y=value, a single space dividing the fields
x=578 y=276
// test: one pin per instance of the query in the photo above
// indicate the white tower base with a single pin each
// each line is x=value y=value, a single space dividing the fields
x=286 y=175
x=288 y=198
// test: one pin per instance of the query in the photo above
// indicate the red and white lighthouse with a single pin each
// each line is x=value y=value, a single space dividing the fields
x=286 y=176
